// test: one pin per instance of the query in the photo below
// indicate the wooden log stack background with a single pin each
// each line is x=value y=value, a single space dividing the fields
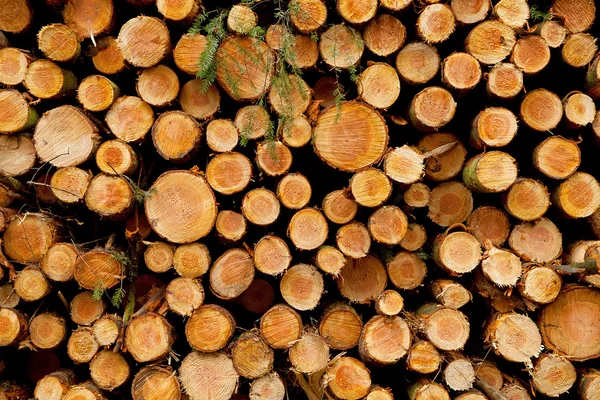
x=303 y=199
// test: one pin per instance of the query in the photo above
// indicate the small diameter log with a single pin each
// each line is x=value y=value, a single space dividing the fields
x=14 y=326
x=97 y=267
x=330 y=260
x=580 y=110
x=470 y=12
x=459 y=373
x=16 y=16
x=85 y=310
x=54 y=385
x=490 y=373
x=268 y=387
x=86 y=390
x=388 y=225
x=417 y=195
x=578 y=196
x=384 y=340
x=69 y=184
x=379 y=85
x=446 y=165
x=61 y=129
x=296 y=132
x=116 y=157
x=251 y=356
x=259 y=297
x=310 y=354
x=537 y=241
x=59 y=43
x=357 y=12
x=461 y=72
x=158 y=86
x=109 y=370
x=308 y=229
x=540 y=285
x=178 y=225
x=18 y=155
x=505 y=81
x=276 y=35
x=187 y=52
x=184 y=295
x=417 y=63
x=557 y=157
x=130 y=118
x=513 y=13
x=97 y=93
x=31 y=284
x=579 y=49
x=221 y=135
x=91 y=18
x=294 y=191
x=191 y=260
x=45 y=80
x=362 y=280
x=395 y=5
x=8 y=297
x=431 y=109
x=341 y=46
x=425 y=389
x=178 y=11
x=252 y=122
x=176 y=136
x=244 y=67
x=47 y=331
x=490 y=42
x=271 y=255
x=16 y=114
x=493 y=127
x=348 y=378
x=553 y=32
x=450 y=203
x=281 y=326
x=574 y=341
x=149 y=337
x=490 y=172
x=364 y=140
x=158 y=257
x=577 y=15
x=260 y=207
x=370 y=187
x=155 y=383
x=450 y=293
x=527 y=199
x=541 y=110
x=301 y=287
x=384 y=35
x=406 y=270
x=389 y=303
x=340 y=326
x=231 y=274
x=514 y=337
x=28 y=237
x=588 y=384
x=289 y=95
x=107 y=57
x=107 y=329
x=308 y=15
x=339 y=207
x=230 y=225
x=13 y=66
x=82 y=345
x=229 y=173
x=423 y=358
x=445 y=328
x=110 y=197
x=241 y=19
x=500 y=267
x=273 y=158
x=144 y=41
x=415 y=237
x=471 y=395
x=553 y=375
x=209 y=328
x=436 y=23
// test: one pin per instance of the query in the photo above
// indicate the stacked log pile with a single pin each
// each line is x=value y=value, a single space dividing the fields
x=351 y=199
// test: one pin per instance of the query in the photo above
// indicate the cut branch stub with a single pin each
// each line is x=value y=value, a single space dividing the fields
x=350 y=137
x=181 y=207
x=341 y=46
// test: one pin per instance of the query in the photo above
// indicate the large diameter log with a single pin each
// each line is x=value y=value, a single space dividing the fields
x=149 y=337
x=362 y=280
x=406 y=270
x=47 y=331
x=14 y=327
x=537 y=241
x=98 y=267
x=574 y=341
x=490 y=172
x=155 y=382
x=144 y=41
x=16 y=114
x=445 y=328
x=280 y=326
x=578 y=196
x=553 y=375
x=340 y=326
x=384 y=340
x=577 y=15
x=18 y=155
x=28 y=237
x=514 y=337
x=490 y=42
x=53 y=386
x=348 y=378
x=350 y=137
x=16 y=16
x=557 y=157
x=431 y=109
x=417 y=63
x=181 y=207
x=82 y=345
x=109 y=370
x=450 y=203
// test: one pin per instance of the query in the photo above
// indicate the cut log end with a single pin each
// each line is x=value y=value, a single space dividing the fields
x=31 y=284
x=515 y=337
x=179 y=11
x=261 y=207
x=296 y=132
x=273 y=158
x=14 y=326
x=330 y=260
x=417 y=63
x=577 y=16
x=97 y=93
x=436 y=23
x=45 y=79
x=219 y=384
x=376 y=345
x=388 y=225
x=280 y=326
x=308 y=15
x=459 y=374
x=415 y=237
x=309 y=354
x=176 y=136
x=450 y=293
x=527 y=199
x=493 y=127
x=406 y=270
x=251 y=356
x=47 y=331
x=209 y=328
x=69 y=184
x=417 y=195
x=513 y=13
x=144 y=41
x=221 y=135
x=340 y=326
x=158 y=86
x=155 y=382
x=362 y=280
x=54 y=385
x=348 y=378
x=110 y=196
x=501 y=267
x=229 y=173
x=540 y=285
x=268 y=387
x=450 y=203
x=425 y=389
x=82 y=346
x=445 y=328
x=230 y=225
x=85 y=310
x=302 y=286
x=187 y=52
x=294 y=191
x=423 y=358
x=505 y=81
x=130 y=118
x=271 y=255
x=538 y=241
x=115 y=157
x=308 y=229
x=490 y=172
x=541 y=110
x=490 y=42
x=384 y=35
x=13 y=66
x=107 y=57
x=107 y=329
x=557 y=157
x=432 y=108
x=379 y=85
x=461 y=71
x=470 y=12
x=231 y=274
x=553 y=375
x=339 y=208
x=184 y=295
